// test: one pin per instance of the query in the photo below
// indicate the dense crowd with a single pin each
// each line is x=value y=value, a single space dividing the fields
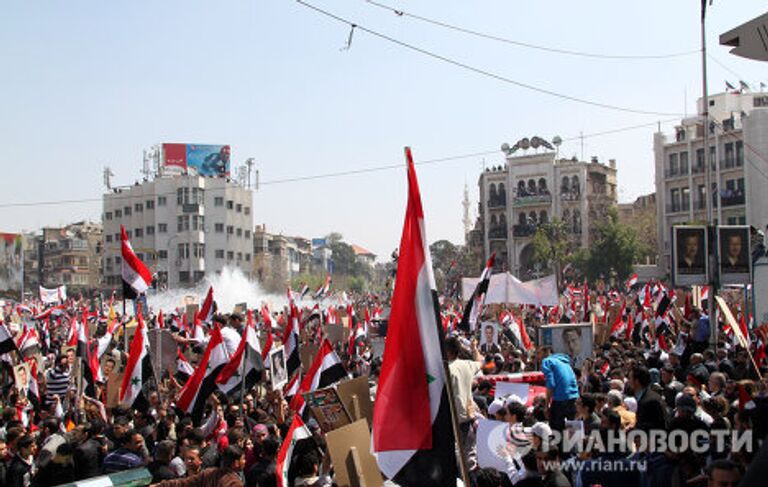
x=646 y=369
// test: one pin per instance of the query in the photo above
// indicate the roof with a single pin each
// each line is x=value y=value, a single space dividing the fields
x=358 y=250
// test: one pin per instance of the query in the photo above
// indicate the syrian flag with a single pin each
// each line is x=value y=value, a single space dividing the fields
x=202 y=383
x=525 y=340
x=246 y=360
x=83 y=351
x=704 y=294
x=268 y=330
x=475 y=303
x=208 y=309
x=304 y=290
x=296 y=432
x=291 y=342
x=291 y=388
x=412 y=386
x=7 y=344
x=138 y=371
x=326 y=370
x=29 y=338
x=160 y=320
x=33 y=389
x=354 y=338
x=183 y=370
x=323 y=290
x=631 y=281
x=136 y=276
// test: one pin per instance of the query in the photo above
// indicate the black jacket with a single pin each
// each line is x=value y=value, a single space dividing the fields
x=262 y=474
x=17 y=471
x=88 y=457
x=651 y=412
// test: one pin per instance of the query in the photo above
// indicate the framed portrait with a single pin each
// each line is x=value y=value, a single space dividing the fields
x=21 y=377
x=489 y=338
x=690 y=255
x=733 y=244
x=277 y=368
x=572 y=339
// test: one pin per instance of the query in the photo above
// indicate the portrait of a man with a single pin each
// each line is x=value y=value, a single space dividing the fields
x=21 y=377
x=734 y=252
x=489 y=343
x=277 y=368
x=691 y=254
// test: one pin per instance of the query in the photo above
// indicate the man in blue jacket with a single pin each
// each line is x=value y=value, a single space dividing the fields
x=562 y=388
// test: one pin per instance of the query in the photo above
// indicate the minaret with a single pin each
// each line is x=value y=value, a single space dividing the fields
x=467 y=221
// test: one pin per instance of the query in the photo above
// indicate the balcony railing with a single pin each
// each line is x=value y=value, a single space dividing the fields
x=678 y=208
x=570 y=195
x=497 y=232
x=732 y=200
x=523 y=230
x=532 y=200
x=496 y=202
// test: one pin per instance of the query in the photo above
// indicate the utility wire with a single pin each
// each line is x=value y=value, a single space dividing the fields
x=402 y=13
x=483 y=72
x=350 y=172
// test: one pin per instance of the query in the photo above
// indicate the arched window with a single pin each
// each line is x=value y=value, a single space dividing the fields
x=521 y=186
x=565 y=186
x=502 y=195
x=567 y=219
x=543 y=218
x=521 y=218
x=531 y=186
x=493 y=221
x=575 y=187
x=576 y=221
x=503 y=222
x=542 y=184
x=492 y=194
x=532 y=218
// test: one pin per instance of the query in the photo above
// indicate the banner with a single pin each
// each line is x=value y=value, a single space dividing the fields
x=207 y=160
x=501 y=446
x=506 y=288
x=52 y=296
x=11 y=261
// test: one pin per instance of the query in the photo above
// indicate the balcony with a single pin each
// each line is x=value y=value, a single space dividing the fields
x=732 y=199
x=678 y=208
x=497 y=232
x=675 y=173
x=523 y=230
x=190 y=208
x=497 y=202
x=532 y=200
x=566 y=195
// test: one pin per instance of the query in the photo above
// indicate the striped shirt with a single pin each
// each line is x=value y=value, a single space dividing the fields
x=57 y=383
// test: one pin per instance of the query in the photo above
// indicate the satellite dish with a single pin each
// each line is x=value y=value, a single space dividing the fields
x=557 y=140
x=505 y=147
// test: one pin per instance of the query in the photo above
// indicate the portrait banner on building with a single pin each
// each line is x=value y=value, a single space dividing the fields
x=733 y=243
x=690 y=255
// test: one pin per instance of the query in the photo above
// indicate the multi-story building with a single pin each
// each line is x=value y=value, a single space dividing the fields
x=182 y=226
x=738 y=155
x=641 y=215
x=532 y=189
x=70 y=256
x=278 y=258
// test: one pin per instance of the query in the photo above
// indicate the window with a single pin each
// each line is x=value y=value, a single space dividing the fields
x=139 y=233
x=118 y=259
x=218 y=227
x=162 y=254
x=247 y=257
x=117 y=237
x=686 y=199
x=162 y=201
x=151 y=230
x=138 y=207
x=219 y=253
x=675 y=197
x=127 y=211
x=230 y=255
x=684 y=163
x=230 y=229
x=239 y=232
x=239 y=256
x=198 y=250
x=247 y=210
x=108 y=215
x=162 y=228
x=184 y=276
x=182 y=223
x=150 y=204
x=218 y=201
x=198 y=222
x=108 y=238
x=118 y=213
x=739 y=153
x=230 y=204
x=700 y=159
x=247 y=234
x=128 y=233
x=183 y=250
x=239 y=208
x=673 y=164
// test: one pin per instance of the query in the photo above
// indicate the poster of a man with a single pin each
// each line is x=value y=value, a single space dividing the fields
x=574 y=340
x=691 y=251
x=21 y=377
x=733 y=243
x=489 y=339
x=277 y=368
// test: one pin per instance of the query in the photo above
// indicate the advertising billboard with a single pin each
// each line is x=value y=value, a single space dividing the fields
x=11 y=264
x=208 y=160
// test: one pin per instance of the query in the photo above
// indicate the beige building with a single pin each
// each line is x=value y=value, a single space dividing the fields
x=531 y=189
x=278 y=258
x=71 y=256
x=641 y=215
x=738 y=141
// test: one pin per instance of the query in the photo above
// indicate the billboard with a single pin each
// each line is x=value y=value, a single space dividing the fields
x=11 y=265
x=735 y=254
x=690 y=251
x=208 y=160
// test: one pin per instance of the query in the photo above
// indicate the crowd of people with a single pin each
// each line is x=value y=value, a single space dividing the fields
x=648 y=365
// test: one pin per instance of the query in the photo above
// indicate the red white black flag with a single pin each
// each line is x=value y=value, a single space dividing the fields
x=245 y=366
x=291 y=342
x=203 y=382
x=296 y=432
x=412 y=385
x=136 y=276
x=208 y=309
x=138 y=371
x=326 y=370
x=475 y=304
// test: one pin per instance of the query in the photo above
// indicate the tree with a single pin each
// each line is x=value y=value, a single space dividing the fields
x=550 y=245
x=616 y=248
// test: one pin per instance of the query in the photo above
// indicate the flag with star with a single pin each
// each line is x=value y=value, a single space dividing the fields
x=412 y=386
x=138 y=371
x=246 y=367
x=202 y=383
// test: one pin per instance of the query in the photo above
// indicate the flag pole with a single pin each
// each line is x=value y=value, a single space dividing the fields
x=242 y=373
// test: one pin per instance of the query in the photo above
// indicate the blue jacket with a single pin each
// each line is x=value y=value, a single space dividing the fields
x=560 y=377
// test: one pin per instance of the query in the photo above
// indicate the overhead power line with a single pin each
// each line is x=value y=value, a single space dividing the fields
x=350 y=172
x=528 y=45
x=481 y=71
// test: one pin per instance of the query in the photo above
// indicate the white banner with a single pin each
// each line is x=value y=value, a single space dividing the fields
x=55 y=295
x=506 y=288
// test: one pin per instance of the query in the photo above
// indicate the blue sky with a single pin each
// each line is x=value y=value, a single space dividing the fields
x=86 y=84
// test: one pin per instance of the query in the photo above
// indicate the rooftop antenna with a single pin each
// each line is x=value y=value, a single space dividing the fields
x=249 y=164
x=107 y=175
x=581 y=136
x=145 y=164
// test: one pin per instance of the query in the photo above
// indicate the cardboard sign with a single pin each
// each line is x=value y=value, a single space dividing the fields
x=336 y=333
x=327 y=408
x=307 y=354
x=504 y=389
x=241 y=308
x=356 y=396
x=353 y=463
x=162 y=350
x=113 y=389
x=191 y=312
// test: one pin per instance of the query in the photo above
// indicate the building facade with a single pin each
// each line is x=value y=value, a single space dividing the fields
x=529 y=190
x=70 y=256
x=278 y=258
x=738 y=149
x=181 y=226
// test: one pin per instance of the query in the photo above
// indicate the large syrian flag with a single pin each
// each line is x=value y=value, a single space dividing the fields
x=138 y=371
x=208 y=309
x=291 y=342
x=268 y=330
x=475 y=303
x=183 y=370
x=203 y=382
x=323 y=290
x=246 y=366
x=84 y=352
x=326 y=370
x=412 y=384
x=7 y=344
x=296 y=432
x=136 y=276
